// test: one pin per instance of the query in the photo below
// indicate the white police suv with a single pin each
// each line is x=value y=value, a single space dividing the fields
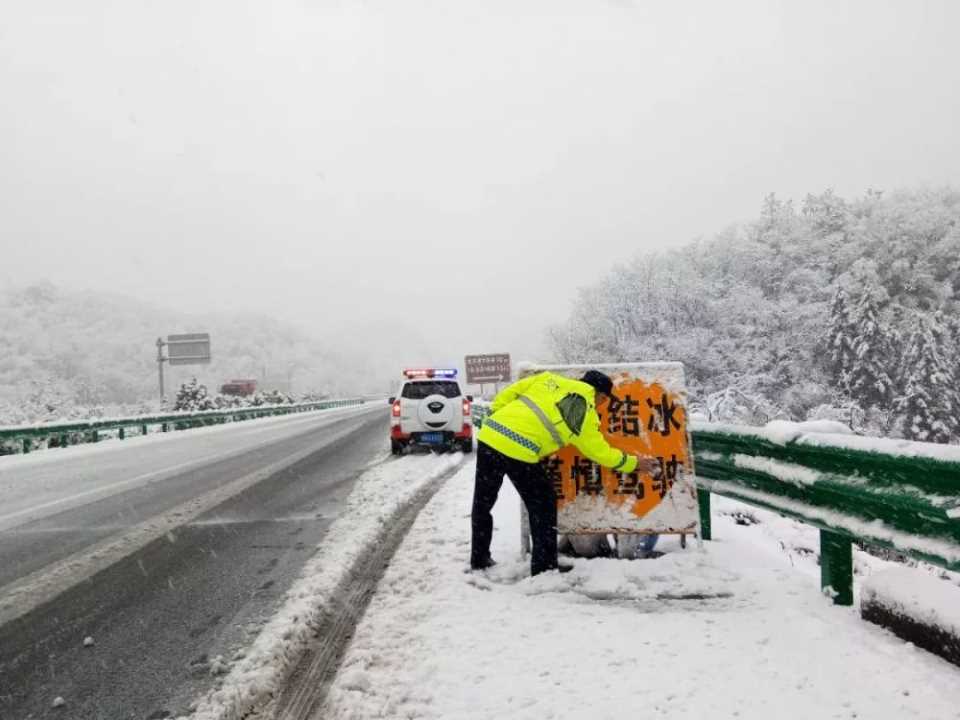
x=430 y=411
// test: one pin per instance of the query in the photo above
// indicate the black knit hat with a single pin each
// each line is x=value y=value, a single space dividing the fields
x=600 y=382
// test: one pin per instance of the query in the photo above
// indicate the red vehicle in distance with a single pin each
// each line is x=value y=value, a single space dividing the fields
x=239 y=388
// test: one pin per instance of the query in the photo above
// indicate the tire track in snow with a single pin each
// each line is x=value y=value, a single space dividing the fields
x=307 y=688
x=292 y=662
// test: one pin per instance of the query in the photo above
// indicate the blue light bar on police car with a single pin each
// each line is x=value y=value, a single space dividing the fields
x=430 y=373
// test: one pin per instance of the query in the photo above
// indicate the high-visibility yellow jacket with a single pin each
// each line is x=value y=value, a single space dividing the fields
x=536 y=416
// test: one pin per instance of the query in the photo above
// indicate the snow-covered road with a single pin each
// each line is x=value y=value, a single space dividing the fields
x=616 y=639
x=166 y=574
x=736 y=628
x=48 y=482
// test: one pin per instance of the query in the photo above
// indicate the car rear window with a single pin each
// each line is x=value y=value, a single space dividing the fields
x=420 y=390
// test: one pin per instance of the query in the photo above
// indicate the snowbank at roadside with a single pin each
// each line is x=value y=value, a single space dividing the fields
x=737 y=628
x=927 y=600
x=378 y=494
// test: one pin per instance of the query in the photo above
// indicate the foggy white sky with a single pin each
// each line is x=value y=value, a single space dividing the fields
x=452 y=168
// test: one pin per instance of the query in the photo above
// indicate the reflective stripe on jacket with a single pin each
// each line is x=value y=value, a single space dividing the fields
x=536 y=416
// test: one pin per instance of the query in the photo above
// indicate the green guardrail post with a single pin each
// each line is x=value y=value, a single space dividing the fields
x=95 y=437
x=26 y=445
x=164 y=428
x=836 y=566
x=143 y=429
x=64 y=440
x=703 y=500
x=121 y=433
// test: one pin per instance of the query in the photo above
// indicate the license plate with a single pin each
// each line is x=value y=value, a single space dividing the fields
x=431 y=438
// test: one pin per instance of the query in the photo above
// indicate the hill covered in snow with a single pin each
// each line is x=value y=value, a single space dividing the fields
x=837 y=308
x=70 y=354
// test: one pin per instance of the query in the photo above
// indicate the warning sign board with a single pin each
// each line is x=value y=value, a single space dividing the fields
x=188 y=349
x=487 y=368
x=650 y=418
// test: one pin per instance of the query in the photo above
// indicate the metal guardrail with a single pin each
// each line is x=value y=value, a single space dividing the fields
x=900 y=495
x=87 y=431
x=478 y=412
x=904 y=496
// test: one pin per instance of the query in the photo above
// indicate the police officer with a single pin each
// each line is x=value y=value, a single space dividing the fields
x=529 y=420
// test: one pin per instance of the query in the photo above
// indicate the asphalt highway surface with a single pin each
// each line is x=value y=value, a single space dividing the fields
x=168 y=556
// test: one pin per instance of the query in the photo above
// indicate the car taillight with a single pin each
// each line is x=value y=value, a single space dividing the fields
x=396 y=408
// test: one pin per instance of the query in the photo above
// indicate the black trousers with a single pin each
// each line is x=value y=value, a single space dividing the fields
x=537 y=493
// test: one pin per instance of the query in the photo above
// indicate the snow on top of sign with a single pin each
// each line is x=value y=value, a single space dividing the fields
x=783 y=432
x=676 y=508
x=925 y=598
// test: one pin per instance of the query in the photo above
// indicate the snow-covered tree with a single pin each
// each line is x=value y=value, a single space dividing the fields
x=944 y=336
x=732 y=405
x=826 y=213
x=750 y=309
x=869 y=378
x=927 y=406
x=271 y=397
x=841 y=334
x=948 y=328
x=193 y=397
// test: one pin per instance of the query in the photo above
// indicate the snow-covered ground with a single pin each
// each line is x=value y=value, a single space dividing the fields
x=926 y=600
x=736 y=629
x=255 y=676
